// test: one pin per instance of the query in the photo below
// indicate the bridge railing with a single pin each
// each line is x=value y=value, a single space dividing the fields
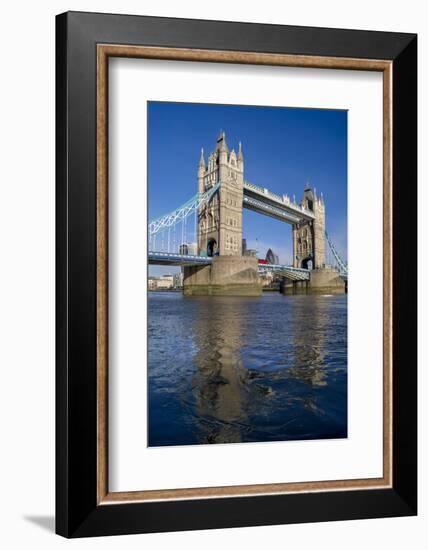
x=282 y=267
x=182 y=212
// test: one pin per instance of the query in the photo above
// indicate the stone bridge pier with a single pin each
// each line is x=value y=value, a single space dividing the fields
x=225 y=276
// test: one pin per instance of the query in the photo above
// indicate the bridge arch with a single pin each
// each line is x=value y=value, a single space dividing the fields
x=211 y=247
x=307 y=263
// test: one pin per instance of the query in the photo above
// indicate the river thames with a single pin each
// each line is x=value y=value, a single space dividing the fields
x=229 y=370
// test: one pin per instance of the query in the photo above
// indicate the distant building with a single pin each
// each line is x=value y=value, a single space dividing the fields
x=152 y=283
x=165 y=282
x=189 y=248
x=248 y=251
x=271 y=257
x=192 y=249
x=184 y=249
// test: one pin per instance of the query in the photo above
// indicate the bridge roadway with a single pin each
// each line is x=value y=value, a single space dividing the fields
x=168 y=258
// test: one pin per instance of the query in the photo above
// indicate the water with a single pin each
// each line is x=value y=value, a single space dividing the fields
x=228 y=370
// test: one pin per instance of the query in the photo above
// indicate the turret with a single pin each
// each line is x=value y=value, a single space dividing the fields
x=201 y=172
x=221 y=143
x=240 y=158
x=202 y=160
x=223 y=154
x=308 y=198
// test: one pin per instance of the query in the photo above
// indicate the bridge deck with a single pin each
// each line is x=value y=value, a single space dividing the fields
x=168 y=258
x=165 y=258
x=265 y=202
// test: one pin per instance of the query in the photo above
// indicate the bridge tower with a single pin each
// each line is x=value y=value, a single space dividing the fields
x=309 y=236
x=220 y=222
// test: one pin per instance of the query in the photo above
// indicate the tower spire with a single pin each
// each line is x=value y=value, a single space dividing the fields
x=202 y=159
x=221 y=142
x=240 y=155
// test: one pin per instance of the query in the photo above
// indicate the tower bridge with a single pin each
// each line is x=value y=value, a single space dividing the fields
x=212 y=258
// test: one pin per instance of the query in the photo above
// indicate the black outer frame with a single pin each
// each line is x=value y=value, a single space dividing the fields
x=77 y=513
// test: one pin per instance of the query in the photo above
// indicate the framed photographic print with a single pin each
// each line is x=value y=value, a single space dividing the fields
x=236 y=282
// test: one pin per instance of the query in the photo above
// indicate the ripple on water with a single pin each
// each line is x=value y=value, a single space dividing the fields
x=224 y=370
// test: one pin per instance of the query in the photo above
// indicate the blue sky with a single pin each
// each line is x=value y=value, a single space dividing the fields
x=284 y=148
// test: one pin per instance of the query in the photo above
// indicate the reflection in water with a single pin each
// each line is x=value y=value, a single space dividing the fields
x=219 y=381
x=225 y=369
x=309 y=336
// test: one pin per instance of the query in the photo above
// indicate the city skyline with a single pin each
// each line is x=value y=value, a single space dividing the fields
x=284 y=149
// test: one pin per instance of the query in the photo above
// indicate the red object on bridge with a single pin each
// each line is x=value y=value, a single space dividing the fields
x=263 y=262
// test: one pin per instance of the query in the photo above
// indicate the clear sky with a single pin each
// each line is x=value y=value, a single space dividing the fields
x=284 y=148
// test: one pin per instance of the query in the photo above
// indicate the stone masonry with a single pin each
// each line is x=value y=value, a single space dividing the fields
x=309 y=236
x=220 y=222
